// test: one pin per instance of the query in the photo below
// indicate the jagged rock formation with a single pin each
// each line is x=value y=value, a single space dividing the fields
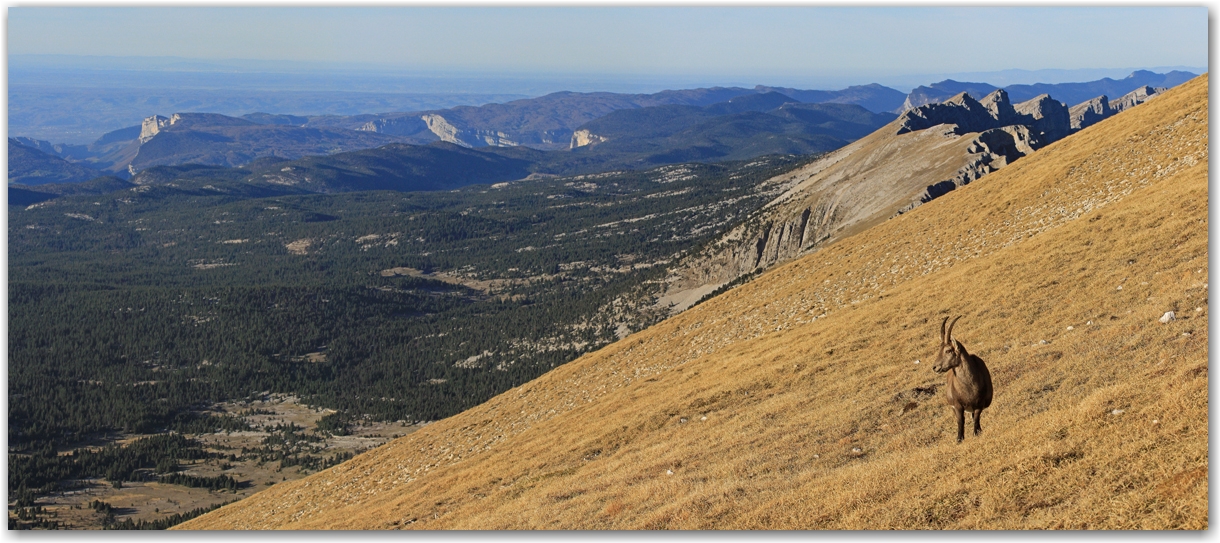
x=1050 y=117
x=1098 y=109
x=153 y=125
x=1135 y=98
x=1068 y=93
x=925 y=153
x=1090 y=112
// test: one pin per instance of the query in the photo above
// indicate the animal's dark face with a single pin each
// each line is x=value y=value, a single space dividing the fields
x=949 y=358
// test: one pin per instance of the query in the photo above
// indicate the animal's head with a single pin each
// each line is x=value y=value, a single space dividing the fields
x=952 y=352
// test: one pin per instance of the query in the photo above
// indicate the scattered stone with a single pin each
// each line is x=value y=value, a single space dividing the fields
x=1120 y=287
x=669 y=472
x=1043 y=342
x=1117 y=411
x=703 y=417
x=856 y=449
x=1090 y=323
x=1167 y=317
x=1184 y=334
x=816 y=456
x=1198 y=309
x=916 y=361
x=1070 y=328
x=1156 y=421
x=682 y=420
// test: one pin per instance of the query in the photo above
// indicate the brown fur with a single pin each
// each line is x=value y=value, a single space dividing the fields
x=969 y=383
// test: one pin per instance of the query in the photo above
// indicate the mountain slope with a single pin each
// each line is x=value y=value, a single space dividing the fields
x=794 y=401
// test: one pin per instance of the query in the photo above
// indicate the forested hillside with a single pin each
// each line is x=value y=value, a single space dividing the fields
x=136 y=311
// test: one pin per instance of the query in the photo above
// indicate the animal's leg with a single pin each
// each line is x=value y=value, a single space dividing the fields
x=978 y=413
x=961 y=423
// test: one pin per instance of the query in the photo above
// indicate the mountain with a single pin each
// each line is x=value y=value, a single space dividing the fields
x=804 y=398
x=1088 y=113
x=873 y=97
x=642 y=138
x=545 y=123
x=939 y=92
x=31 y=166
x=212 y=139
x=1075 y=93
x=745 y=127
x=1068 y=93
x=548 y=122
x=923 y=154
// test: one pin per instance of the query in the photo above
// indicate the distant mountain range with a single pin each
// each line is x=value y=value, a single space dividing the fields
x=585 y=132
x=32 y=166
x=1068 y=93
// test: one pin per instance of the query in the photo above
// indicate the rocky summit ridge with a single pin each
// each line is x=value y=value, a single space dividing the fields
x=923 y=154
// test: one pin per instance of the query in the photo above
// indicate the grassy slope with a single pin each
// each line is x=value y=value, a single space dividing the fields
x=818 y=423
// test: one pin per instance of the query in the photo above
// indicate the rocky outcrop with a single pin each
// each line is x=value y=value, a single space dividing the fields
x=583 y=137
x=963 y=112
x=1086 y=114
x=1135 y=98
x=446 y=131
x=152 y=126
x=1089 y=112
x=1047 y=117
x=924 y=154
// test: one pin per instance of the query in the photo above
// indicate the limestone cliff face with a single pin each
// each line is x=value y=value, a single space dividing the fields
x=468 y=137
x=925 y=153
x=583 y=137
x=153 y=125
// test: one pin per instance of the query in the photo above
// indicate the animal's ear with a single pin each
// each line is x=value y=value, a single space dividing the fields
x=958 y=347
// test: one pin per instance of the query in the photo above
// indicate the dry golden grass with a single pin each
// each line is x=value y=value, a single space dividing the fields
x=794 y=402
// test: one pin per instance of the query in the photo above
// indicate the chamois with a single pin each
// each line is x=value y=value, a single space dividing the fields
x=969 y=382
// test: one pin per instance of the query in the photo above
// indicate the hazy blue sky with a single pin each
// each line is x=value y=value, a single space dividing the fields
x=741 y=43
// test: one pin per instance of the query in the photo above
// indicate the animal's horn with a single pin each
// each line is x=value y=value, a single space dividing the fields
x=943 y=338
x=949 y=335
